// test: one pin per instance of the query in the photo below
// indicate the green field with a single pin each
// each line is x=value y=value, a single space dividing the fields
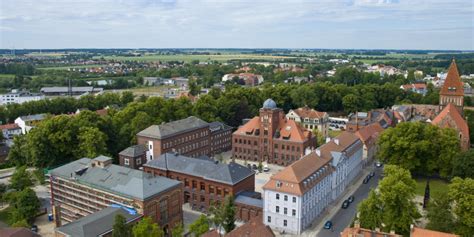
x=189 y=57
x=436 y=187
x=6 y=76
x=73 y=66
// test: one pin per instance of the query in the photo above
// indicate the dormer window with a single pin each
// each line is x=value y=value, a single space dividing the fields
x=278 y=184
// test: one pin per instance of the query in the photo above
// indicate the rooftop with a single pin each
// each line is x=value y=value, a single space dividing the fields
x=453 y=84
x=33 y=117
x=307 y=112
x=172 y=128
x=134 y=151
x=116 y=179
x=96 y=223
x=231 y=173
x=253 y=228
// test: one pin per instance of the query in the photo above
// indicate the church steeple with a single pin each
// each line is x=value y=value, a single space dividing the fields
x=453 y=89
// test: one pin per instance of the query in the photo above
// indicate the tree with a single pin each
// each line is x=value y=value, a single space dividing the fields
x=127 y=97
x=21 y=179
x=229 y=214
x=461 y=193
x=92 y=142
x=463 y=165
x=397 y=190
x=24 y=205
x=146 y=228
x=320 y=139
x=120 y=227
x=199 y=226
x=419 y=147
x=351 y=103
x=194 y=88
x=370 y=211
x=21 y=223
x=392 y=207
x=440 y=214
x=178 y=230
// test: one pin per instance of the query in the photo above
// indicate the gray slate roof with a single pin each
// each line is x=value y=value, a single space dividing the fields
x=172 y=128
x=116 y=179
x=231 y=173
x=96 y=223
x=249 y=201
x=34 y=117
x=134 y=151
x=215 y=126
x=64 y=89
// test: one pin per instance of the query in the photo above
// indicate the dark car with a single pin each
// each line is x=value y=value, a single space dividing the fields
x=34 y=228
x=366 y=179
x=328 y=225
x=249 y=166
x=345 y=204
x=254 y=166
x=378 y=164
x=372 y=174
x=350 y=199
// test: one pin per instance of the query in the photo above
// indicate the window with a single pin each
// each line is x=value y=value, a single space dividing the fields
x=164 y=210
x=285 y=222
x=277 y=209
x=269 y=219
x=293 y=212
x=285 y=211
x=294 y=199
x=126 y=161
x=278 y=196
x=139 y=161
x=286 y=198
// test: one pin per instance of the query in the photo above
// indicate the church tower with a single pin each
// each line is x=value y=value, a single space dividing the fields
x=453 y=89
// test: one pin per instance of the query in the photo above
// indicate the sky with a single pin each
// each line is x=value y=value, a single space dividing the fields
x=343 y=24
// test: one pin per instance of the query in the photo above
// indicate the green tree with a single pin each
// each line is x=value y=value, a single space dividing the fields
x=397 y=191
x=419 y=147
x=21 y=223
x=177 y=230
x=146 y=228
x=24 y=205
x=463 y=165
x=120 y=227
x=194 y=88
x=370 y=211
x=199 y=226
x=229 y=214
x=127 y=97
x=461 y=193
x=351 y=103
x=440 y=215
x=21 y=179
x=92 y=142
x=320 y=139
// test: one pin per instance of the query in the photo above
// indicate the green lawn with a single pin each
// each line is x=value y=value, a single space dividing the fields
x=189 y=57
x=334 y=133
x=436 y=187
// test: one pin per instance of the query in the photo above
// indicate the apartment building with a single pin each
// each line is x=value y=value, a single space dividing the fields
x=271 y=137
x=133 y=157
x=310 y=119
x=369 y=136
x=205 y=181
x=297 y=195
x=385 y=117
x=86 y=186
x=190 y=137
x=19 y=97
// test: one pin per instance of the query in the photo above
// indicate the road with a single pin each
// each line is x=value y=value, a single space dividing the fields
x=344 y=217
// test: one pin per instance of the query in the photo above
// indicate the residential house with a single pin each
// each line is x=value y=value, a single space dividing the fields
x=310 y=119
x=369 y=136
x=419 y=88
x=26 y=123
x=10 y=130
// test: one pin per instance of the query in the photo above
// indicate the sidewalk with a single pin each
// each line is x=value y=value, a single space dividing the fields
x=333 y=208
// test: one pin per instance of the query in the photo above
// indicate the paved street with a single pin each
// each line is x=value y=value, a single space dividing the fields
x=344 y=217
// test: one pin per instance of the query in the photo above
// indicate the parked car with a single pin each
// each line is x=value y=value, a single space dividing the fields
x=366 y=179
x=254 y=166
x=265 y=168
x=350 y=199
x=328 y=225
x=372 y=174
x=34 y=228
x=378 y=164
x=249 y=166
x=345 y=204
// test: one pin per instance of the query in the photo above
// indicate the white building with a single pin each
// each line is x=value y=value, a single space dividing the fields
x=310 y=119
x=297 y=195
x=19 y=97
x=10 y=130
x=26 y=123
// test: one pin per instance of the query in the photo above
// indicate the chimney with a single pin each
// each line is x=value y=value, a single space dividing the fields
x=318 y=151
x=336 y=140
x=328 y=139
x=307 y=150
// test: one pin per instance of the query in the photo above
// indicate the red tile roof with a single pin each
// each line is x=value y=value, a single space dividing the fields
x=368 y=133
x=9 y=126
x=307 y=112
x=361 y=232
x=450 y=111
x=420 y=232
x=453 y=84
x=253 y=228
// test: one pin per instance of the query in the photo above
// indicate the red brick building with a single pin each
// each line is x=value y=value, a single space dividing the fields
x=205 y=181
x=86 y=186
x=271 y=137
x=190 y=137
x=133 y=157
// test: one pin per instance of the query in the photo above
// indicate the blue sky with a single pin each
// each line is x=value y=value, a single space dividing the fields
x=368 y=24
